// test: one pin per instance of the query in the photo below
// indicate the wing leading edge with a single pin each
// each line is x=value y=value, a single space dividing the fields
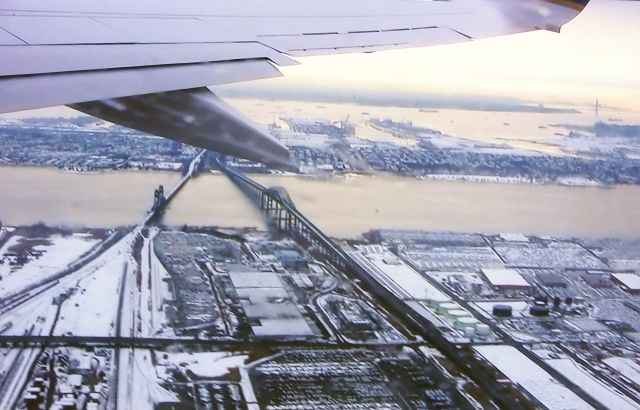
x=98 y=55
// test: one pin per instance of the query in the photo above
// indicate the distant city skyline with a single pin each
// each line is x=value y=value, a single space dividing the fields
x=594 y=57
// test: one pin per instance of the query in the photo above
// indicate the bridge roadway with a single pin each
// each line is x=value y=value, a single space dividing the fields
x=23 y=341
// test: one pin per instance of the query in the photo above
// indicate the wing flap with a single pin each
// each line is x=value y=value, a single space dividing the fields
x=67 y=58
x=54 y=29
x=60 y=30
x=170 y=30
x=8 y=39
x=194 y=116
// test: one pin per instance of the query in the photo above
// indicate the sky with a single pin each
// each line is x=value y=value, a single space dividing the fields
x=596 y=56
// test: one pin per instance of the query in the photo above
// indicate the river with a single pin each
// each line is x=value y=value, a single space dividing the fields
x=343 y=207
x=30 y=195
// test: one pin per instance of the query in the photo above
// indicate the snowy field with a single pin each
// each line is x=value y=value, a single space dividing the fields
x=56 y=256
x=92 y=309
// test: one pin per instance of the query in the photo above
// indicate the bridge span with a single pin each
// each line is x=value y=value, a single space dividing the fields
x=157 y=210
x=284 y=216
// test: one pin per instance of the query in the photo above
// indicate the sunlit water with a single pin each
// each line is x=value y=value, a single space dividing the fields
x=478 y=125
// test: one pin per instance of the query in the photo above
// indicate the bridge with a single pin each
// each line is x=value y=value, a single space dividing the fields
x=284 y=216
x=156 y=211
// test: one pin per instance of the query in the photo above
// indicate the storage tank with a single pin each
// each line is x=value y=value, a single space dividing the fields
x=456 y=314
x=443 y=308
x=483 y=330
x=436 y=301
x=470 y=332
x=539 y=311
x=502 y=310
x=465 y=322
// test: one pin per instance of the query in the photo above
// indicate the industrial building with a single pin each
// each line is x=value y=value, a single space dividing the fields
x=505 y=279
x=628 y=281
x=267 y=305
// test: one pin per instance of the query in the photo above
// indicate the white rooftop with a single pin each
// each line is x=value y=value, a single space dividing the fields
x=411 y=282
x=265 y=300
x=630 y=280
x=531 y=377
x=505 y=278
x=514 y=237
x=255 y=280
x=282 y=327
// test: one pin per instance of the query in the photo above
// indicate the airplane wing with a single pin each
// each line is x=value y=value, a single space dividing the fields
x=145 y=63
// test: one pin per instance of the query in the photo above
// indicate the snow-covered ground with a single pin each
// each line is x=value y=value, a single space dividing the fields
x=56 y=257
x=92 y=309
x=159 y=293
x=138 y=386
x=531 y=377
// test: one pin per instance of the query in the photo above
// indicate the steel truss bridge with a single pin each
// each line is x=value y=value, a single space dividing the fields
x=284 y=216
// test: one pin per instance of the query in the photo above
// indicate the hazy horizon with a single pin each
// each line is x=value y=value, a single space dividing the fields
x=594 y=57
